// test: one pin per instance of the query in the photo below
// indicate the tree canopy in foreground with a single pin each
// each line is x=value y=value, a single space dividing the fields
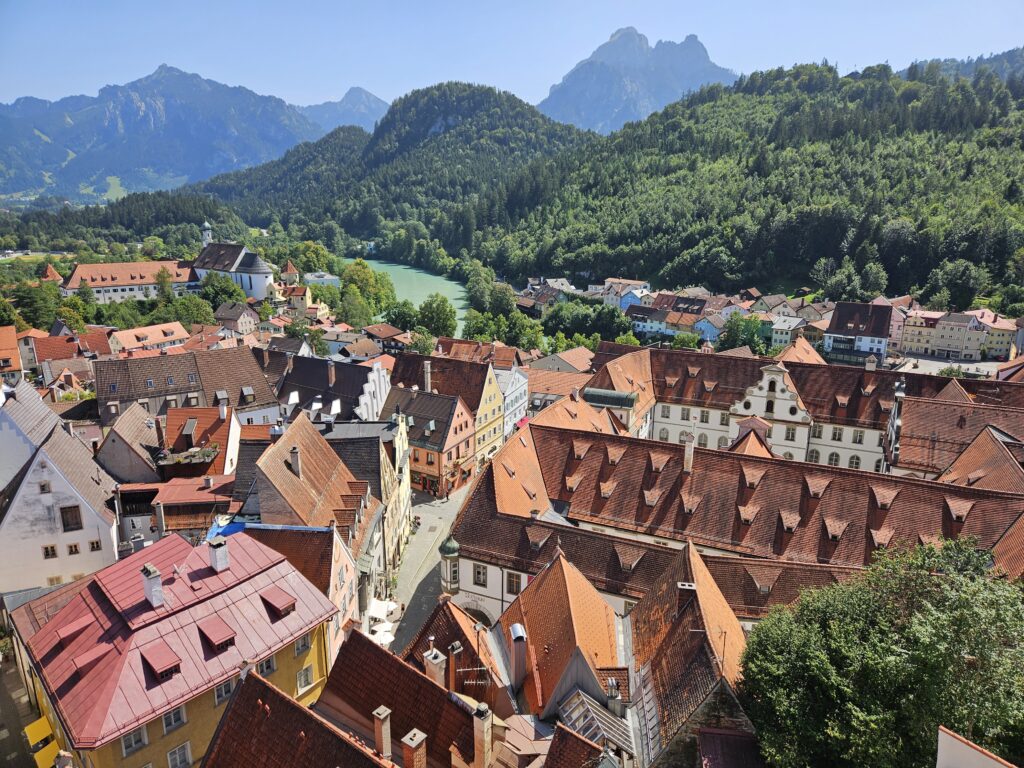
x=864 y=672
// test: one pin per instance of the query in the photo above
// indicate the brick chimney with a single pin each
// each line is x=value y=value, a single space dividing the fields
x=688 y=440
x=414 y=749
x=382 y=731
x=330 y=374
x=482 y=722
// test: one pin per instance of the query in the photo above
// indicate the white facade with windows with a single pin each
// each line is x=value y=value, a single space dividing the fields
x=514 y=389
x=794 y=434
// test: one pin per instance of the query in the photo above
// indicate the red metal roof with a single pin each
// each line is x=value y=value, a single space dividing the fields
x=278 y=599
x=215 y=630
x=104 y=682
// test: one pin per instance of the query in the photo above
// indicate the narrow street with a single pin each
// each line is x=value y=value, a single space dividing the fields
x=419 y=577
x=15 y=714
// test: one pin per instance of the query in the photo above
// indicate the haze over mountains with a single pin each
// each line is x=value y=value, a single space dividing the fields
x=626 y=79
x=161 y=131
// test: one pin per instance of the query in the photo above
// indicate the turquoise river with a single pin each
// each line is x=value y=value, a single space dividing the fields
x=415 y=285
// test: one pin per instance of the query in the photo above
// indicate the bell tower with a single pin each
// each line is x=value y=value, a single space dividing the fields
x=207 y=234
x=449 y=550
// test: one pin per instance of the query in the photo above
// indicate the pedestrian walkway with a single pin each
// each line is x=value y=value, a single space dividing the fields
x=419 y=577
x=15 y=714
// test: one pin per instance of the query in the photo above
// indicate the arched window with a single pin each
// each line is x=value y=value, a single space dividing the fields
x=663 y=434
x=683 y=435
x=723 y=442
x=878 y=465
x=769 y=407
x=814 y=456
x=787 y=455
x=702 y=441
x=833 y=459
x=854 y=462
x=771 y=385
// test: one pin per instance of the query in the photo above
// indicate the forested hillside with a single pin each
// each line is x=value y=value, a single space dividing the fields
x=760 y=182
x=1008 y=65
x=433 y=149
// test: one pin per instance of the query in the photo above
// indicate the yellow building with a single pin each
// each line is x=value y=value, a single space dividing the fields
x=490 y=418
x=133 y=665
x=1000 y=334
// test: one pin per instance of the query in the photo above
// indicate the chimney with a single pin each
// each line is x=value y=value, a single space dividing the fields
x=294 y=458
x=222 y=410
x=615 y=704
x=152 y=586
x=207 y=481
x=69 y=428
x=518 y=633
x=219 y=559
x=161 y=522
x=414 y=749
x=871 y=363
x=688 y=454
x=434 y=663
x=482 y=721
x=426 y=375
x=382 y=731
x=95 y=442
x=453 y=651
x=330 y=374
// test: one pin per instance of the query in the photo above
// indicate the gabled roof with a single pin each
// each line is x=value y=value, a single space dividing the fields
x=800 y=351
x=101 y=679
x=687 y=639
x=264 y=726
x=336 y=386
x=935 y=431
x=233 y=310
x=230 y=257
x=137 y=429
x=28 y=411
x=9 y=348
x=424 y=408
x=614 y=480
x=366 y=676
x=573 y=412
x=61 y=347
x=547 y=382
x=309 y=550
x=140 y=338
x=852 y=318
x=561 y=612
x=497 y=354
x=199 y=428
x=570 y=750
x=447 y=376
x=323 y=492
x=381 y=331
x=993 y=460
x=720 y=748
x=129 y=273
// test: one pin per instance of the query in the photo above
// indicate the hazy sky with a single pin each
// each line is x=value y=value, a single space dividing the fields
x=306 y=52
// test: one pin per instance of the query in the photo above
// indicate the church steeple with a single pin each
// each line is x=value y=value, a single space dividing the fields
x=207 y=234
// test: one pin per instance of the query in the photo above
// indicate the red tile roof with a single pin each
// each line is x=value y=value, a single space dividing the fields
x=541 y=381
x=381 y=331
x=63 y=347
x=935 y=431
x=309 y=550
x=993 y=460
x=570 y=750
x=9 y=348
x=497 y=354
x=615 y=484
x=147 y=336
x=208 y=429
x=129 y=273
x=447 y=376
x=858 y=319
x=561 y=612
x=115 y=691
x=263 y=726
x=365 y=677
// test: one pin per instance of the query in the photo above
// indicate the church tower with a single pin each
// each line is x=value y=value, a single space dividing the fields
x=207 y=234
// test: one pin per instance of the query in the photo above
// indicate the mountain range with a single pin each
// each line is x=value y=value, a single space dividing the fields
x=161 y=131
x=626 y=79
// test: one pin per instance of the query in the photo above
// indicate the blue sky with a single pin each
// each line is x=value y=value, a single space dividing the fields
x=306 y=52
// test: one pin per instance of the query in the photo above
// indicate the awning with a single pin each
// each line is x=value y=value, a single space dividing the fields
x=38 y=731
x=379 y=609
x=46 y=756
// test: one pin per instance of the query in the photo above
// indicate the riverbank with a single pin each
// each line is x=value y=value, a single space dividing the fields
x=416 y=285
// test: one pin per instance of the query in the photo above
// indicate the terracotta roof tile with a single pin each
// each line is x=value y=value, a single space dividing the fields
x=570 y=750
x=993 y=460
x=561 y=611
x=365 y=677
x=309 y=550
x=129 y=273
x=542 y=381
x=447 y=376
x=206 y=429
